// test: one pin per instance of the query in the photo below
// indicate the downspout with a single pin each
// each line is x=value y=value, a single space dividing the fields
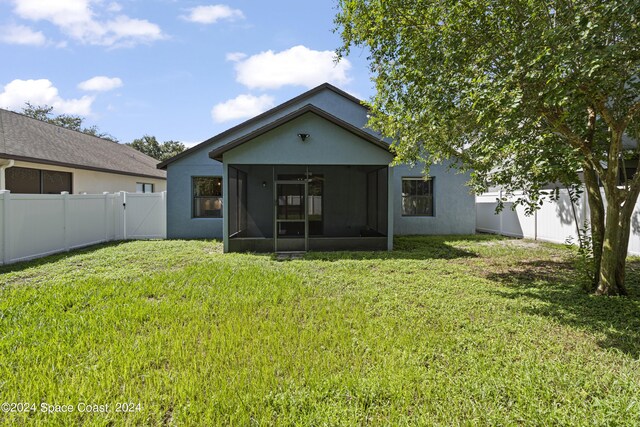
x=4 y=165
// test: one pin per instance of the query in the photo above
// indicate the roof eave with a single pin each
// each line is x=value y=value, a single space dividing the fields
x=76 y=166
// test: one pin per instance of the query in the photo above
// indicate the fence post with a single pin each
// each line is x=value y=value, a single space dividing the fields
x=163 y=218
x=106 y=215
x=124 y=214
x=65 y=213
x=500 y=215
x=6 y=228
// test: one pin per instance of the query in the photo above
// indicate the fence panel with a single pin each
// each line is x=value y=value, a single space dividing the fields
x=557 y=220
x=3 y=225
x=554 y=222
x=486 y=219
x=87 y=220
x=35 y=225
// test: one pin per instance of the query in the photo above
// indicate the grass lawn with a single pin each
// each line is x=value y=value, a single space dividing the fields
x=476 y=330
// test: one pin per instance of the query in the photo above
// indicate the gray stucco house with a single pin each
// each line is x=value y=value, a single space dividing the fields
x=309 y=175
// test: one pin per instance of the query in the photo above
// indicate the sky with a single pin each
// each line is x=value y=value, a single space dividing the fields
x=177 y=70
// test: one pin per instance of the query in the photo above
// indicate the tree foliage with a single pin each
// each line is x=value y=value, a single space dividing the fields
x=45 y=113
x=150 y=146
x=521 y=92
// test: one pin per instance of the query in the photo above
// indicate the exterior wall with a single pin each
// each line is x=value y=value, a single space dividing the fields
x=93 y=182
x=327 y=144
x=454 y=204
x=180 y=221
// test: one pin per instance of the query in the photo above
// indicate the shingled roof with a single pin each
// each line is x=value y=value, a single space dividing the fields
x=31 y=140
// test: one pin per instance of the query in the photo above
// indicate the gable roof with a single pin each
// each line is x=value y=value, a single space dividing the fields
x=27 y=139
x=259 y=117
x=309 y=108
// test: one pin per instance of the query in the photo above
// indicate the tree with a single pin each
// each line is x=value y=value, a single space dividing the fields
x=150 y=146
x=45 y=113
x=520 y=92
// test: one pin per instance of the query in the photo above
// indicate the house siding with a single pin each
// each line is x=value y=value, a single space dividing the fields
x=454 y=203
x=180 y=221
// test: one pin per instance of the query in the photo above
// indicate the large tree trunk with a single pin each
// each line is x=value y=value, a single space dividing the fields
x=596 y=211
x=614 y=248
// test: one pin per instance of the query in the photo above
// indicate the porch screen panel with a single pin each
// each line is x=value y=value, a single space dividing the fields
x=372 y=200
x=233 y=200
x=383 y=191
x=242 y=200
x=377 y=200
x=237 y=201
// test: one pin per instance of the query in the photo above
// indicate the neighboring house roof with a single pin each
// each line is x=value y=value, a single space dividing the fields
x=27 y=139
x=258 y=118
x=218 y=152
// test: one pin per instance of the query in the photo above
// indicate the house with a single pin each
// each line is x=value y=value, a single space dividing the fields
x=38 y=157
x=309 y=175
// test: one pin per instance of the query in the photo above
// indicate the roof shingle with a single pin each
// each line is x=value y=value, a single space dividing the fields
x=28 y=139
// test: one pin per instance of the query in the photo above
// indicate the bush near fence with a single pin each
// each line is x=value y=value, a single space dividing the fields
x=553 y=222
x=35 y=225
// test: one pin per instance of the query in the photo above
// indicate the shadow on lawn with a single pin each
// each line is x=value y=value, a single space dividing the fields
x=414 y=247
x=554 y=284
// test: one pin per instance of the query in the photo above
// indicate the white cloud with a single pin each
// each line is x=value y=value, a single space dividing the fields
x=235 y=56
x=100 y=84
x=42 y=92
x=114 y=7
x=298 y=66
x=20 y=34
x=240 y=107
x=128 y=31
x=78 y=20
x=213 y=13
x=61 y=12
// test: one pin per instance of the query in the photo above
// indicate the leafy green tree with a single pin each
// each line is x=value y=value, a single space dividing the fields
x=520 y=92
x=170 y=149
x=45 y=113
x=150 y=146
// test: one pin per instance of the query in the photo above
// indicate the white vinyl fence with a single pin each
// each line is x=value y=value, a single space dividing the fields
x=553 y=222
x=35 y=225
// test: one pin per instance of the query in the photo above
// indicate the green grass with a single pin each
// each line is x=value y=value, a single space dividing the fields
x=447 y=330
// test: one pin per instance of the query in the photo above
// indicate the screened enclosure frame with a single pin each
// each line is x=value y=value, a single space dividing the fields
x=347 y=208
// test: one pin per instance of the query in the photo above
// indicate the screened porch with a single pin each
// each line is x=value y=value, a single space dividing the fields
x=290 y=208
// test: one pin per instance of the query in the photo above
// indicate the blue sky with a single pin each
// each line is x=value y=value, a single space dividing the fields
x=180 y=70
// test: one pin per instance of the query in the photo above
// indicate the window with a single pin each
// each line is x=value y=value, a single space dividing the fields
x=36 y=181
x=207 y=196
x=144 y=187
x=417 y=197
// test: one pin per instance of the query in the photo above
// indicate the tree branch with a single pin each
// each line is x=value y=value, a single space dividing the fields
x=633 y=111
x=575 y=140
